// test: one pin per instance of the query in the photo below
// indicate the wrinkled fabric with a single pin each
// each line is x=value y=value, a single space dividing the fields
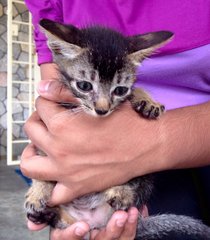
x=178 y=75
x=177 y=80
x=189 y=20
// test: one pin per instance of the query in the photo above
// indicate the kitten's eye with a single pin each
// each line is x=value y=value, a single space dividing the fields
x=85 y=86
x=120 y=91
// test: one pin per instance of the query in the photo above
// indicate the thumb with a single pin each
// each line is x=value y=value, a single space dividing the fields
x=55 y=91
x=36 y=166
x=62 y=194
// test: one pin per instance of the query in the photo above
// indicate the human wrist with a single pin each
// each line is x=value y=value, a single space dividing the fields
x=151 y=141
x=186 y=137
x=177 y=125
x=181 y=140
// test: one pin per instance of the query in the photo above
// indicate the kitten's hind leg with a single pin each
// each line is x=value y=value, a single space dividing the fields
x=143 y=104
x=36 y=203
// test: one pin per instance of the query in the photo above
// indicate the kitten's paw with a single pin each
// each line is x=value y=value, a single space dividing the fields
x=37 y=209
x=148 y=109
x=48 y=216
x=120 y=197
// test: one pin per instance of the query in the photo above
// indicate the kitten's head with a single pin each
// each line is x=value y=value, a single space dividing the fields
x=99 y=64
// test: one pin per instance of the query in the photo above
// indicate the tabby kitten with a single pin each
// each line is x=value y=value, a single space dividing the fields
x=98 y=66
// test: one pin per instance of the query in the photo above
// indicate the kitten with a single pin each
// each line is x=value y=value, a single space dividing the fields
x=98 y=66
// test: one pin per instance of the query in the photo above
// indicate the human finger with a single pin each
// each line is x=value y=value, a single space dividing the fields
x=37 y=132
x=144 y=211
x=76 y=231
x=114 y=227
x=36 y=166
x=35 y=227
x=129 y=231
x=49 y=111
x=62 y=194
x=55 y=91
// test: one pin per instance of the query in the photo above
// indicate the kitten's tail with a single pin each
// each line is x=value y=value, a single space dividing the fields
x=159 y=226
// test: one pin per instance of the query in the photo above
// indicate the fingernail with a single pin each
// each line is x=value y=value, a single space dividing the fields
x=49 y=204
x=80 y=232
x=43 y=86
x=120 y=222
x=133 y=215
x=132 y=218
x=144 y=211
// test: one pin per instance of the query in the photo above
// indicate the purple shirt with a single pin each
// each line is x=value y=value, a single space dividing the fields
x=178 y=80
x=179 y=74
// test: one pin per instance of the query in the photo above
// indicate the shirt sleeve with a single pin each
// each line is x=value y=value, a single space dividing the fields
x=43 y=9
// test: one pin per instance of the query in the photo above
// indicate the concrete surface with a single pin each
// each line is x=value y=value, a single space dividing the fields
x=12 y=216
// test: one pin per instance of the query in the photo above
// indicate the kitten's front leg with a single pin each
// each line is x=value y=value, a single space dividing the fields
x=143 y=104
x=36 y=203
x=120 y=197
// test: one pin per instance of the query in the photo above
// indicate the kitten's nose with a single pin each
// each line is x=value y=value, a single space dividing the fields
x=101 y=111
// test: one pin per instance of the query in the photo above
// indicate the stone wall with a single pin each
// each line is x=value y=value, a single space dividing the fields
x=3 y=77
x=20 y=73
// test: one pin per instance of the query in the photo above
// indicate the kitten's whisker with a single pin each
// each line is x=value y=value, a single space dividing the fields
x=139 y=73
x=132 y=75
x=68 y=113
x=77 y=110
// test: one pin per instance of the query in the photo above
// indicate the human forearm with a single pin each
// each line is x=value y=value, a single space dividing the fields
x=187 y=137
x=179 y=139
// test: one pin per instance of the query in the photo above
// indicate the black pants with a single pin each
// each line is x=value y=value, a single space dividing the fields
x=184 y=192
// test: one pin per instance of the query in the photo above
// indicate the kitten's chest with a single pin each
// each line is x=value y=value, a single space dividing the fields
x=95 y=218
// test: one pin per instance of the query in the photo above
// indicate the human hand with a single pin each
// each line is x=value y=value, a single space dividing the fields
x=122 y=225
x=84 y=153
x=76 y=231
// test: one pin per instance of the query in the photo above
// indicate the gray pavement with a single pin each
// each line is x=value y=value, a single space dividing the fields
x=12 y=216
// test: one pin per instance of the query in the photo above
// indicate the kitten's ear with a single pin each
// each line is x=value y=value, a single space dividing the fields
x=62 y=39
x=142 y=46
